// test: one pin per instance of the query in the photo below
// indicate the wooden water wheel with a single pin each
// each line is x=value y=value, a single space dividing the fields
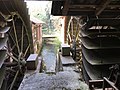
x=15 y=43
x=73 y=37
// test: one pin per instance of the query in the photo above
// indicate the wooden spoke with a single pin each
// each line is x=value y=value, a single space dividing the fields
x=12 y=56
x=16 y=38
x=22 y=38
x=26 y=50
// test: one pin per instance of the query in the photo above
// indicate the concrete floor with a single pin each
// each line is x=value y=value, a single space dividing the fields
x=68 y=79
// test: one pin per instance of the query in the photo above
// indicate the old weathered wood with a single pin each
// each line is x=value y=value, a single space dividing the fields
x=95 y=72
x=66 y=7
x=65 y=49
x=95 y=83
x=108 y=82
x=101 y=8
x=101 y=42
x=86 y=7
x=32 y=61
x=101 y=57
x=2 y=75
x=94 y=32
x=3 y=42
x=2 y=57
x=67 y=60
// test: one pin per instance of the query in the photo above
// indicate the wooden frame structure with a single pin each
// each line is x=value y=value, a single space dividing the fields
x=85 y=7
x=100 y=25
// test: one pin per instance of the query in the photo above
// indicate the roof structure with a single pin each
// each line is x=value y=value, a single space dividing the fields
x=85 y=7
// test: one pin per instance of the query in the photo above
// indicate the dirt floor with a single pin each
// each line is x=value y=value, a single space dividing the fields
x=68 y=79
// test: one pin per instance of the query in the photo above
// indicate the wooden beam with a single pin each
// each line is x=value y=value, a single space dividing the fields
x=106 y=81
x=82 y=6
x=104 y=5
x=66 y=7
x=81 y=9
x=92 y=6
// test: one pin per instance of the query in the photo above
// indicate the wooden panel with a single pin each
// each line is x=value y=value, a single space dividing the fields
x=87 y=7
x=114 y=22
x=3 y=42
x=85 y=75
x=95 y=32
x=67 y=60
x=102 y=57
x=66 y=7
x=101 y=42
x=2 y=57
x=95 y=72
x=32 y=62
x=4 y=30
x=2 y=75
x=101 y=8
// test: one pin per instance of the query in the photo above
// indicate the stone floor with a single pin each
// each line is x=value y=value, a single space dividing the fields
x=68 y=79
x=64 y=80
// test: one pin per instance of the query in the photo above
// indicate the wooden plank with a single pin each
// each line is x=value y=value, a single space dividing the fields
x=2 y=75
x=85 y=75
x=95 y=72
x=37 y=70
x=91 y=12
x=32 y=62
x=102 y=57
x=95 y=32
x=56 y=8
x=4 y=29
x=2 y=57
x=66 y=7
x=65 y=49
x=114 y=22
x=75 y=6
x=86 y=8
x=101 y=42
x=93 y=84
x=110 y=83
x=101 y=8
x=67 y=60
x=3 y=42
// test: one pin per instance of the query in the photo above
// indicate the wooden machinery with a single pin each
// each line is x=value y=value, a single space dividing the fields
x=98 y=32
x=15 y=42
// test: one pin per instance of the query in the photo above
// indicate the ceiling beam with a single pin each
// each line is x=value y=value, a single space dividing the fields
x=92 y=6
x=66 y=7
x=101 y=8
x=43 y=0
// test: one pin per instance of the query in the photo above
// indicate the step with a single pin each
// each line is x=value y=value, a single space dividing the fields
x=67 y=60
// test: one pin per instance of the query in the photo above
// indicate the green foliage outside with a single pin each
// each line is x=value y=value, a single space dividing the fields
x=57 y=44
x=42 y=11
